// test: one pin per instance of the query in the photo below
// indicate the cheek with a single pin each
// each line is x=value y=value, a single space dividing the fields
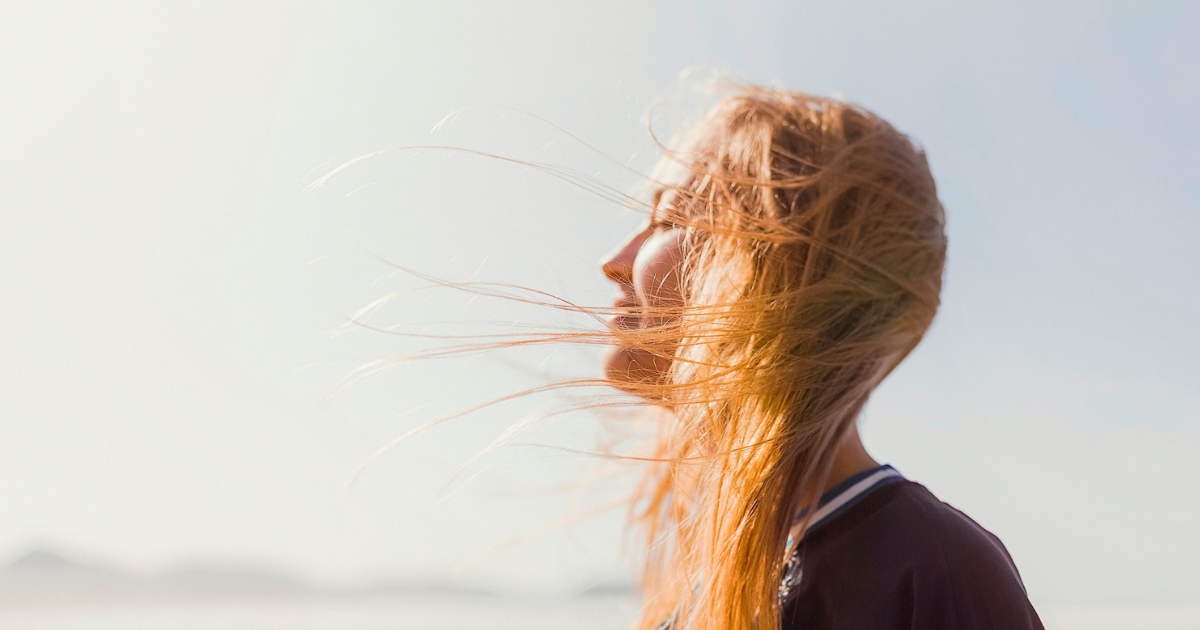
x=656 y=271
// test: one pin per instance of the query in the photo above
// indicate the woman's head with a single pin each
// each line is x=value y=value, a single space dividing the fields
x=793 y=213
x=800 y=251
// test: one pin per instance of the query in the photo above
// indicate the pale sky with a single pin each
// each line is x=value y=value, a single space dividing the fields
x=175 y=304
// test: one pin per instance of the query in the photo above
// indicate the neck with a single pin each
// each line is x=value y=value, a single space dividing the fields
x=849 y=459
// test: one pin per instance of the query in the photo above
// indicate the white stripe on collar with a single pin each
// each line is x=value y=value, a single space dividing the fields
x=884 y=473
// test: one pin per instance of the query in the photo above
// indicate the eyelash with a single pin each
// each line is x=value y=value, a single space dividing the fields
x=658 y=223
x=665 y=223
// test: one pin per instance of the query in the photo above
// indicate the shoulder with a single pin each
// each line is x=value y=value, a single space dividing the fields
x=916 y=559
x=936 y=536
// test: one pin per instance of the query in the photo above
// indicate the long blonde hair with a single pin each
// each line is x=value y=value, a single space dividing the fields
x=814 y=253
x=814 y=246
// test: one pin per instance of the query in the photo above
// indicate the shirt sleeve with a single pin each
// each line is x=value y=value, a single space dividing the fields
x=972 y=583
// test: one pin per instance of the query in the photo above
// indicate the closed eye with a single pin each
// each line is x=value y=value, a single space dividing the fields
x=660 y=218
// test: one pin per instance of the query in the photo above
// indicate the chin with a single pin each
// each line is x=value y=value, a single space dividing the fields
x=632 y=369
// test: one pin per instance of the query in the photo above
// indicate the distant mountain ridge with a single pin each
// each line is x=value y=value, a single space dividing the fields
x=42 y=573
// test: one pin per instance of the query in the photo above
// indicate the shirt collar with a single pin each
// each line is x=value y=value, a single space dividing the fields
x=850 y=491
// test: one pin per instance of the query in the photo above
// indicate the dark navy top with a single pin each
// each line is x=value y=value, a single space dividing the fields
x=883 y=553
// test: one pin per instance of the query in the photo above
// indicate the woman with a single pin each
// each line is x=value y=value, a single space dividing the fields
x=792 y=260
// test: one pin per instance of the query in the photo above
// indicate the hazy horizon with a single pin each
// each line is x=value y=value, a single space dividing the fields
x=176 y=304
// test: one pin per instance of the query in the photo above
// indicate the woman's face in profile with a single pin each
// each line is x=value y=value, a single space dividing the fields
x=645 y=267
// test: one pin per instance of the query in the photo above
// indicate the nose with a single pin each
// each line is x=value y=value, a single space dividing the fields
x=618 y=264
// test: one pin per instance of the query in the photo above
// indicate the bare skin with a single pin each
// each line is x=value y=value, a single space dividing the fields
x=849 y=459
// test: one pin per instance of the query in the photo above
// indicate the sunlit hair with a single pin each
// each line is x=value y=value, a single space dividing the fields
x=814 y=251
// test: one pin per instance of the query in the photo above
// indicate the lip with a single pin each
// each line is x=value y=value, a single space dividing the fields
x=623 y=316
x=624 y=323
